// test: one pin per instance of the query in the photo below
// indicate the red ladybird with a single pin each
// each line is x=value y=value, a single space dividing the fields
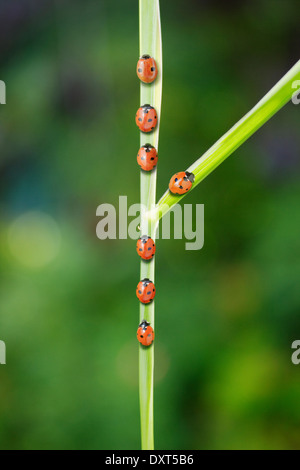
x=181 y=182
x=145 y=291
x=145 y=333
x=145 y=247
x=146 y=69
x=146 y=118
x=147 y=157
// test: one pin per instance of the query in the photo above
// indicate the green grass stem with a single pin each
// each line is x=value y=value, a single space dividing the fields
x=272 y=102
x=150 y=43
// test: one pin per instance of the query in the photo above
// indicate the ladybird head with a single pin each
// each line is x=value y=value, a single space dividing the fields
x=145 y=57
x=146 y=281
x=146 y=108
x=148 y=147
x=144 y=325
x=144 y=239
x=189 y=176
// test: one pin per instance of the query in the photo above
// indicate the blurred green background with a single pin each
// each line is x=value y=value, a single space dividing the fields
x=226 y=315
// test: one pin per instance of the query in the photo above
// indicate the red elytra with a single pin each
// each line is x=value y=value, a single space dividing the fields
x=181 y=182
x=147 y=157
x=145 y=291
x=146 y=69
x=146 y=118
x=145 y=333
x=145 y=247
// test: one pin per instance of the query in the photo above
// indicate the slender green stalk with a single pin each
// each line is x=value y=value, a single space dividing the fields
x=272 y=102
x=150 y=43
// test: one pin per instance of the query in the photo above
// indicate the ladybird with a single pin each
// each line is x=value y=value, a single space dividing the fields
x=145 y=291
x=145 y=333
x=147 y=157
x=146 y=118
x=146 y=69
x=145 y=247
x=181 y=182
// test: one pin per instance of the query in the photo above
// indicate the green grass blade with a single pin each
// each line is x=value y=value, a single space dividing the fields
x=272 y=102
x=150 y=43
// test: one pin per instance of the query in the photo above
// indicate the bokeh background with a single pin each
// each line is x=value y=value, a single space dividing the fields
x=226 y=316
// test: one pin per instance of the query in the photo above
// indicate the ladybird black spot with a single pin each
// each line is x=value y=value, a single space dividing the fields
x=142 y=158
x=181 y=187
x=150 y=120
x=141 y=336
x=140 y=119
x=148 y=293
x=176 y=179
x=140 y=291
x=152 y=69
x=152 y=158
x=140 y=249
x=140 y=70
x=149 y=248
